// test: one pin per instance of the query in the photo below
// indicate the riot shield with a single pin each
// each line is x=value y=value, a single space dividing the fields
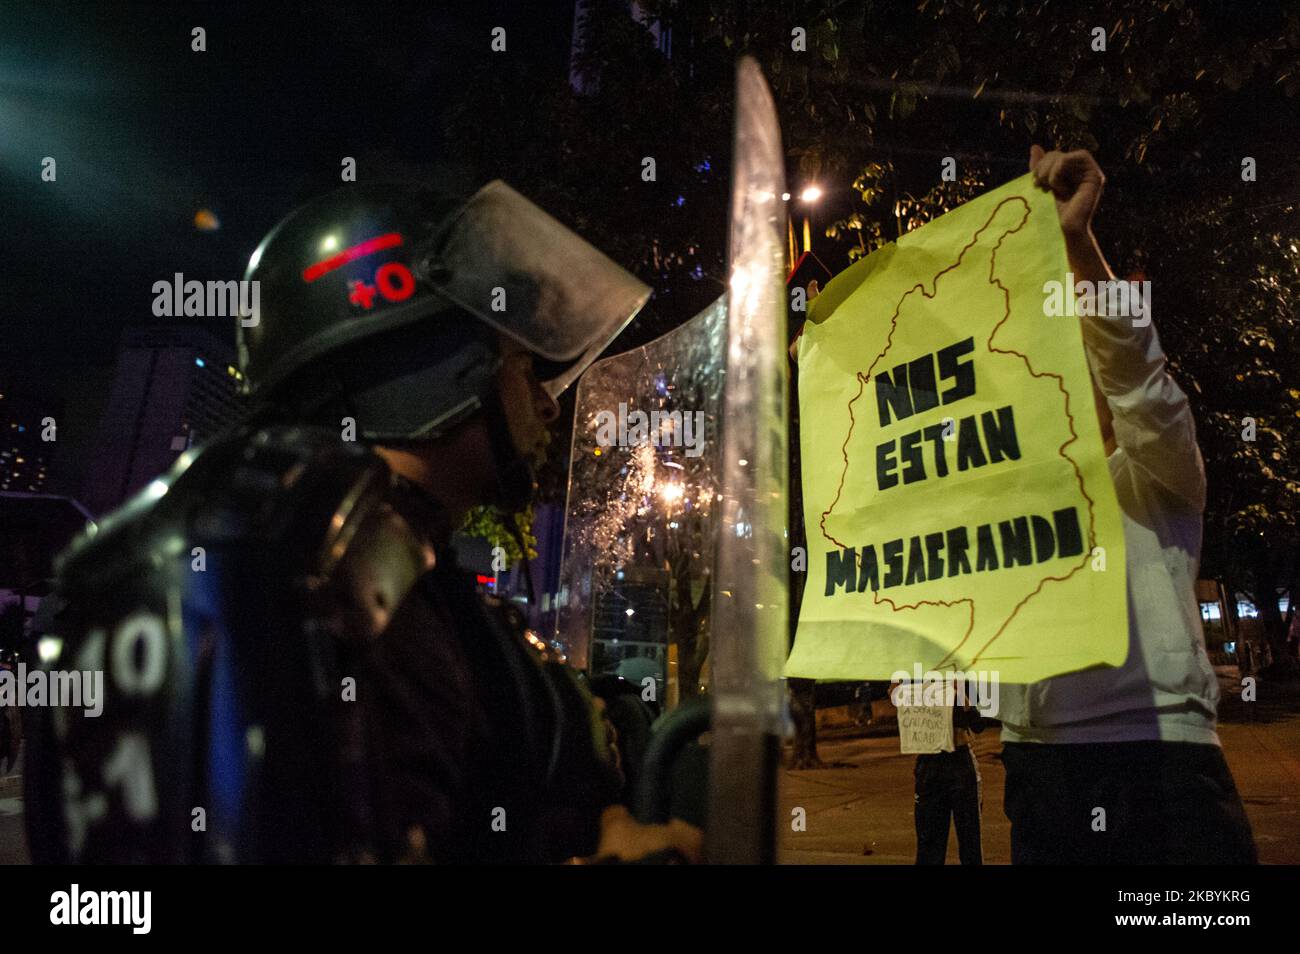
x=676 y=555
x=634 y=594
x=751 y=577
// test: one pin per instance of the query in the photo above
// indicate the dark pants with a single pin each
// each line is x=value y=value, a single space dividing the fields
x=947 y=785
x=1124 y=803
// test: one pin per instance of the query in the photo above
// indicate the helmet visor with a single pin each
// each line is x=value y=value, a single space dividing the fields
x=513 y=266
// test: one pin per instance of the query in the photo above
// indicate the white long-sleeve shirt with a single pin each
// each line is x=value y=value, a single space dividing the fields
x=1166 y=689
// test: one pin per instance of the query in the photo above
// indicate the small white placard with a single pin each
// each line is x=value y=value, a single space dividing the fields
x=924 y=730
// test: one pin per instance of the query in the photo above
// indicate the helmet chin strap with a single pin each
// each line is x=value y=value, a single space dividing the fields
x=514 y=489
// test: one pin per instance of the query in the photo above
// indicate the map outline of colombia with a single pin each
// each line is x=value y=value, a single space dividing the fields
x=864 y=378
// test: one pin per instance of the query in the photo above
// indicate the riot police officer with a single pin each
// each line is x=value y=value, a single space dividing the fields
x=296 y=669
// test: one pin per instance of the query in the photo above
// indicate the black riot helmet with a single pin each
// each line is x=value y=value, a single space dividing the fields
x=386 y=303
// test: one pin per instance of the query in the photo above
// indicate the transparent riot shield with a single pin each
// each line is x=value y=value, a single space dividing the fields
x=751 y=580
x=676 y=563
x=644 y=476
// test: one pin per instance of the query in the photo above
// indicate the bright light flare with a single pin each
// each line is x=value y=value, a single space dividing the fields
x=672 y=492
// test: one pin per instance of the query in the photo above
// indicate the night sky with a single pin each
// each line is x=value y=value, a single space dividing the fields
x=146 y=132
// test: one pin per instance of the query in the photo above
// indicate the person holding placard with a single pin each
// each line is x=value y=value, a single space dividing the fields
x=947 y=777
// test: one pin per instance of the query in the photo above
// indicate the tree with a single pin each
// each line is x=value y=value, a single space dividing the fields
x=503 y=530
x=891 y=213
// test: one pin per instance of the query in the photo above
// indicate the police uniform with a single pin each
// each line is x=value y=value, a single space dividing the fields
x=295 y=667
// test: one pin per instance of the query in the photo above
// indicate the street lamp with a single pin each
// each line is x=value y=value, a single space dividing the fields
x=809 y=195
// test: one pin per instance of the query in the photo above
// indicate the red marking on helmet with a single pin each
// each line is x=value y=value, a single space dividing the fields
x=368 y=247
x=395 y=281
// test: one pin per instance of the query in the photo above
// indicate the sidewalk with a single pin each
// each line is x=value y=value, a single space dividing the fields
x=861 y=812
x=13 y=840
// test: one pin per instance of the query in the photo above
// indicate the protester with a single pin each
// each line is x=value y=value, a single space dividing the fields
x=948 y=785
x=1123 y=765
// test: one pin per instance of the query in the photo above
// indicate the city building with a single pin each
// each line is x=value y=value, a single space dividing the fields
x=172 y=387
x=24 y=454
x=661 y=33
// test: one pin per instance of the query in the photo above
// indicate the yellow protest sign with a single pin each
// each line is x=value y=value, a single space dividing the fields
x=958 y=505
